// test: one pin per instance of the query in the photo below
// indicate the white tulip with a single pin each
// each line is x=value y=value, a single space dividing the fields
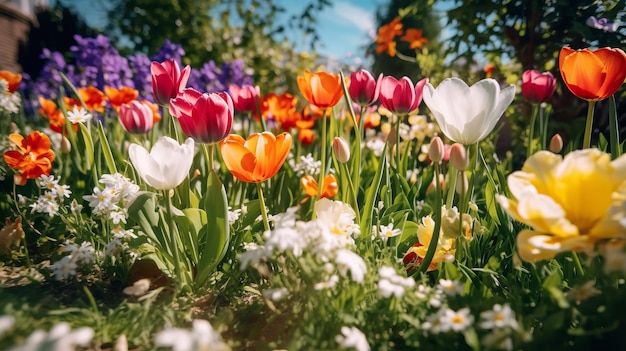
x=466 y=114
x=167 y=164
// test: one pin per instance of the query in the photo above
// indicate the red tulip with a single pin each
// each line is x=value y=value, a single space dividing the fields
x=400 y=96
x=168 y=80
x=244 y=98
x=363 y=88
x=537 y=87
x=136 y=118
x=207 y=118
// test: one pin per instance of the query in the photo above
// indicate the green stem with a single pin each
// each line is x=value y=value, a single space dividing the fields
x=588 y=125
x=579 y=266
x=531 y=130
x=434 y=239
x=451 y=185
x=174 y=239
x=398 y=118
x=257 y=103
x=616 y=149
x=17 y=206
x=344 y=168
x=266 y=223
x=323 y=162
x=208 y=156
x=544 y=128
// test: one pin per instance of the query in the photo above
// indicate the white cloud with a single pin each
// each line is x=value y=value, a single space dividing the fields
x=357 y=16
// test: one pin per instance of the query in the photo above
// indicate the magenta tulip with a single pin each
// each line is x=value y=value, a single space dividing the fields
x=168 y=80
x=244 y=97
x=136 y=118
x=399 y=96
x=207 y=118
x=364 y=89
x=537 y=87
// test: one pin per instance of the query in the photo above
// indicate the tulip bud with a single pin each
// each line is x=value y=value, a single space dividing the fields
x=14 y=129
x=341 y=149
x=458 y=157
x=435 y=151
x=556 y=143
x=66 y=146
x=462 y=183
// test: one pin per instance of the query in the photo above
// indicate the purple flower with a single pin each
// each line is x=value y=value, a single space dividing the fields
x=142 y=79
x=168 y=51
x=602 y=23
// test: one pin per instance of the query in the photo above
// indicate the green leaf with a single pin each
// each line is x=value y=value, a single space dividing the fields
x=106 y=149
x=215 y=235
x=190 y=225
x=86 y=138
x=371 y=195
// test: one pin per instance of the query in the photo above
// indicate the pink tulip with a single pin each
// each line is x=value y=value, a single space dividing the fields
x=363 y=88
x=207 y=118
x=168 y=80
x=399 y=96
x=136 y=118
x=537 y=87
x=244 y=98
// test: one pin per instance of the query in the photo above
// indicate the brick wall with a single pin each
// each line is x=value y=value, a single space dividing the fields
x=14 y=26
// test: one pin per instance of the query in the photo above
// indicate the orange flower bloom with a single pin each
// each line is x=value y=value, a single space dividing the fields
x=13 y=80
x=386 y=37
x=329 y=187
x=49 y=110
x=321 y=89
x=256 y=159
x=593 y=75
x=414 y=38
x=306 y=136
x=489 y=68
x=93 y=98
x=32 y=158
x=283 y=108
x=118 y=97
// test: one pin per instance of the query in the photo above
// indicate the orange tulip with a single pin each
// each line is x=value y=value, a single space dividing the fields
x=329 y=187
x=32 y=158
x=256 y=159
x=13 y=80
x=94 y=98
x=593 y=75
x=118 y=97
x=321 y=89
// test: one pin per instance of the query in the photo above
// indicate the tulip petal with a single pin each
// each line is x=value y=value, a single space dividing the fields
x=238 y=159
x=145 y=166
x=534 y=246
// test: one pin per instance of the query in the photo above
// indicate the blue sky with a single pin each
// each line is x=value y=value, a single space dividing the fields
x=345 y=28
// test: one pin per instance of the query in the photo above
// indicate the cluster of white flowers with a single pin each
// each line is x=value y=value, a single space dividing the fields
x=447 y=319
x=9 y=102
x=376 y=144
x=66 y=267
x=391 y=283
x=385 y=232
x=111 y=200
x=418 y=129
x=307 y=165
x=60 y=337
x=352 y=338
x=52 y=192
x=329 y=238
x=233 y=215
x=202 y=336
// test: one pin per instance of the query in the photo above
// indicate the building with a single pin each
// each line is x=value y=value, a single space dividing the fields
x=16 y=17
